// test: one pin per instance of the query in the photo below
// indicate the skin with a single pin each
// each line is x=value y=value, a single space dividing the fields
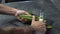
x=37 y=26
x=11 y=11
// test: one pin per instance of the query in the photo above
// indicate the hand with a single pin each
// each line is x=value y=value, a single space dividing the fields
x=19 y=12
x=38 y=25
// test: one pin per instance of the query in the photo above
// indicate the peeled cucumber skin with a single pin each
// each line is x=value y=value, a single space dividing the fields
x=36 y=18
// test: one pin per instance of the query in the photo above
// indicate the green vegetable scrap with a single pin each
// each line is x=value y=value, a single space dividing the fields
x=49 y=26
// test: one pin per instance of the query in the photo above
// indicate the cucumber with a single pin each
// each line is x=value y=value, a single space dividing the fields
x=36 y=18
x=29 y=17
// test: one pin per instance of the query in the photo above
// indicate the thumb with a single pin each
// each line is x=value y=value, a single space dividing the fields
x=33 y=19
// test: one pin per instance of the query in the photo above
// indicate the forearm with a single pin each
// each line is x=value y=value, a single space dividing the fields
x=7 y=10
x=21 y=30
x=14 y=30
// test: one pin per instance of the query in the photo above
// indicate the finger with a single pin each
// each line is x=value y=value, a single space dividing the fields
x=33 y=19
x=41 y=24
x=27 y=13
x=43 y=27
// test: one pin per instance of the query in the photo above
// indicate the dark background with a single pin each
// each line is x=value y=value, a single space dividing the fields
x=14 y=0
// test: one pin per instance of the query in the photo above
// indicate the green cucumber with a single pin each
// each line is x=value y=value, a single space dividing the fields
x=36 y=18
x=28 y=17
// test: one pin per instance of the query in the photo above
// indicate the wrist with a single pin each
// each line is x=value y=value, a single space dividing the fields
x=14 y=12
x=17 y=12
